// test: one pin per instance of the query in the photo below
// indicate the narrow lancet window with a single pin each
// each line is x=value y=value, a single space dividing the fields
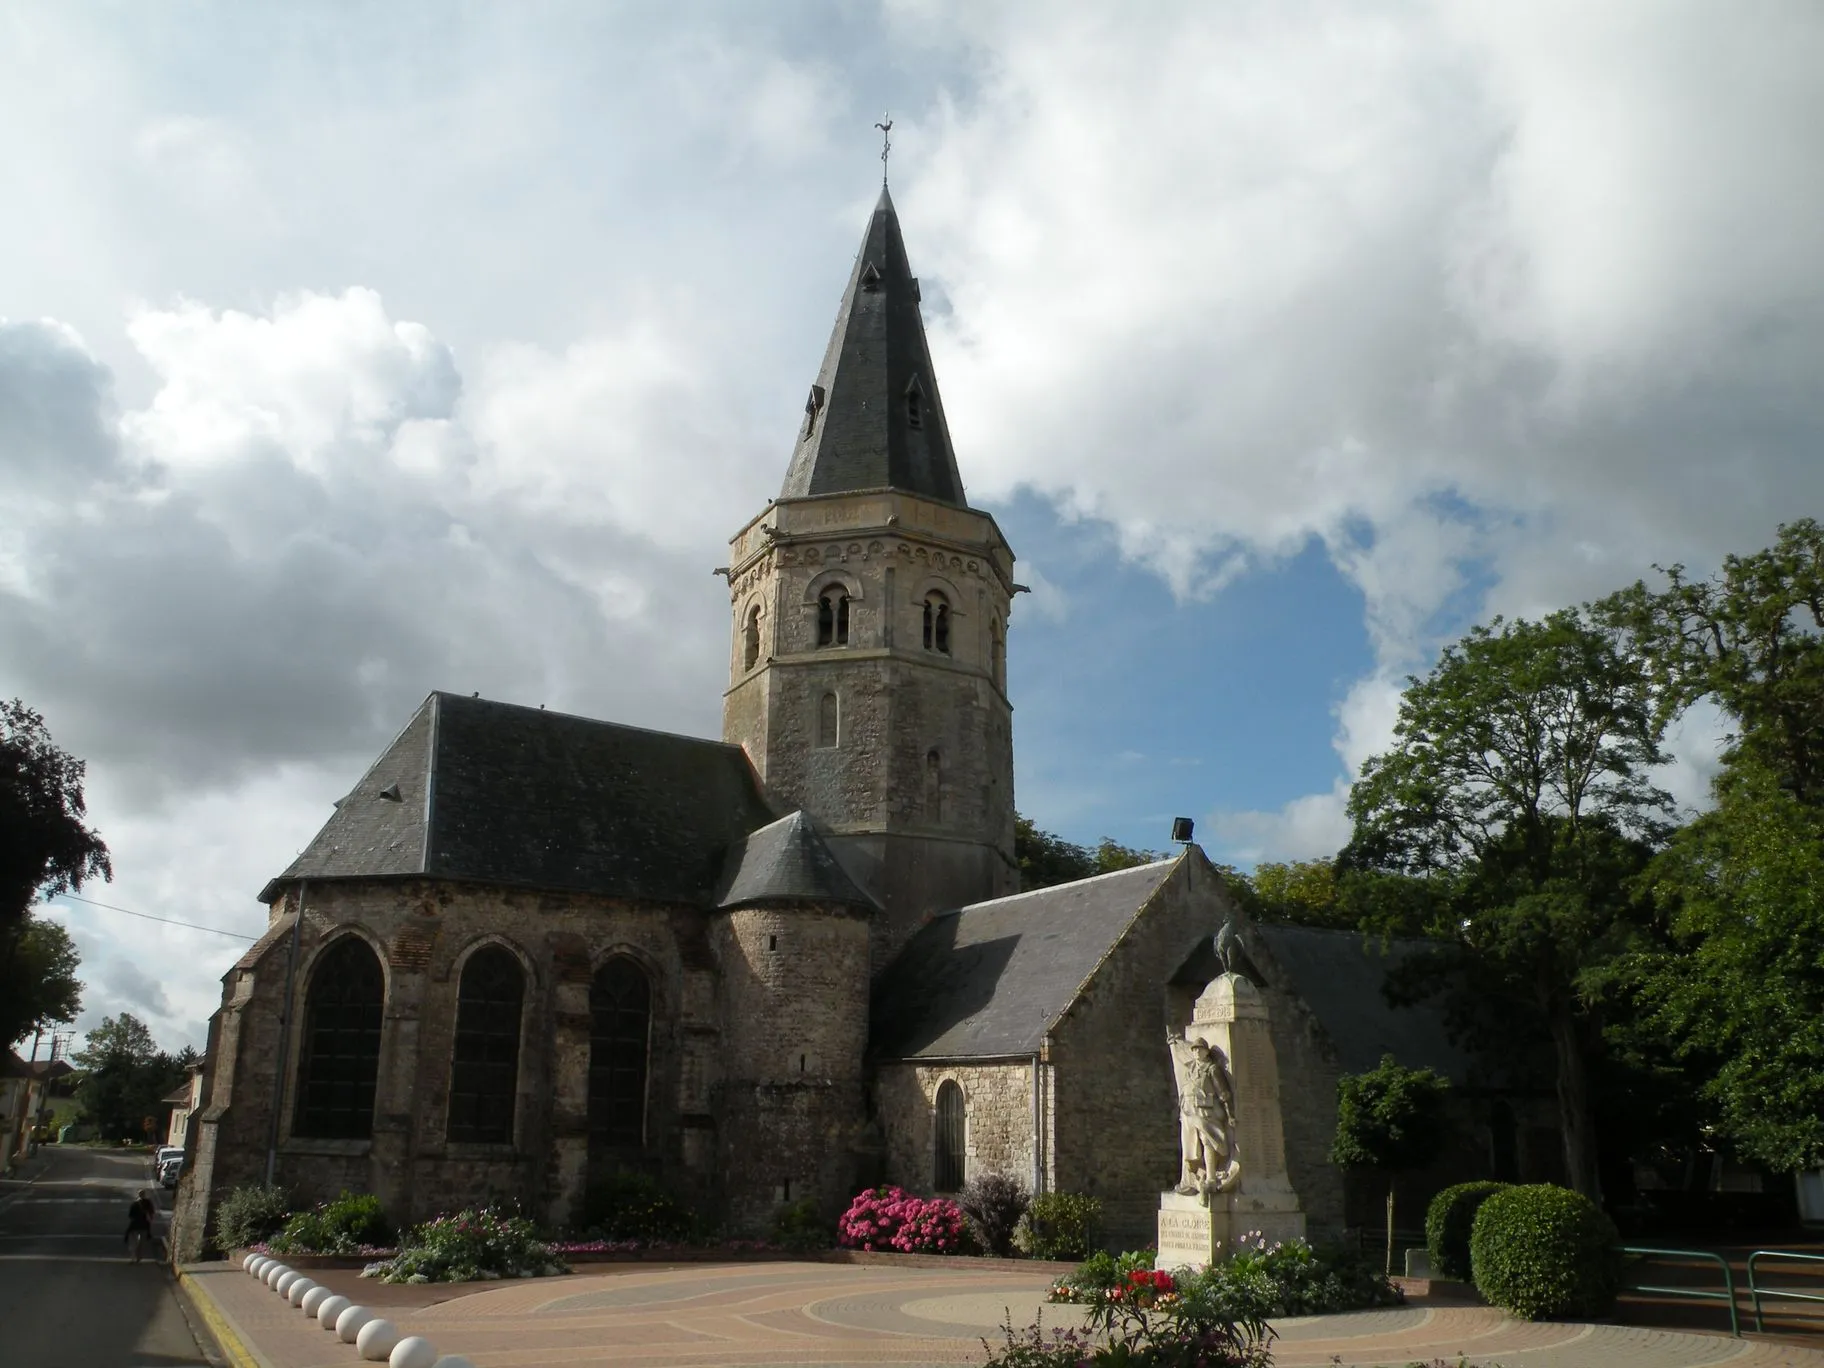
x=339 y=1061
x=827 y=720
x=997 y=650
x=915 y=406
x=952 y=1150
x=833 y=617
x=937 y=622
x=620 y=1021
x=484 y=1068
x=750 y=639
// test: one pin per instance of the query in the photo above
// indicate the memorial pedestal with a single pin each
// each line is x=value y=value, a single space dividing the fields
x=1230 y=1016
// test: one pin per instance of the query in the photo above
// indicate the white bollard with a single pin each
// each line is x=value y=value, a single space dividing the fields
x=247 y=1262
x=452 y=1361
x=349 y=1323
x=376 y=1340
x=255 y=1264
x=282 y=1285
x=314 y=1299
x=300 y=1289
x=414 y=1351
x=274 y=1271
x=330 y=1308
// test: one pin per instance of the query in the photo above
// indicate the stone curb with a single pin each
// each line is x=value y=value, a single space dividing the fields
x=234 y=1348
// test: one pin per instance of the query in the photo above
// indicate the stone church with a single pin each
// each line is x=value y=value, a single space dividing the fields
x=528 y=950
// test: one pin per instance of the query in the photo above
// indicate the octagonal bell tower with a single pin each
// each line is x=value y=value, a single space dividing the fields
x=868 y=676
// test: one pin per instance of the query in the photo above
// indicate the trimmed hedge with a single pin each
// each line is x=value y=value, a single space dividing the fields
x=1543 y=1251
x=1059 y=1225
x=1448 y=1221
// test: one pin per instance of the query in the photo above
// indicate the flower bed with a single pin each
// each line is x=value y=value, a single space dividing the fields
x=1263 y=1280
x=471 y=1246
x=890 y=1218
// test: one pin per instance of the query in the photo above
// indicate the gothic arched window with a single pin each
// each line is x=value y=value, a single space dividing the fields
x=937 y=622
x=339 y=1054
x=750 y=639
x=827 y=718
x=620 y=1022
x=484 y=1066
x=951 y=1153
x=833 y=616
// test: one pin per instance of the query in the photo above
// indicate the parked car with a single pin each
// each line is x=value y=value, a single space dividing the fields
x=161 y=1154
x=171 y=1169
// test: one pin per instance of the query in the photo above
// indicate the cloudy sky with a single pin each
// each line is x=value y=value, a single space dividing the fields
x=351 y=351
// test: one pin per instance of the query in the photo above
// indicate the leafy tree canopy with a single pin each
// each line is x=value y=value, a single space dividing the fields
x=44 y=847
x=1742 y=992
x=1046 y=859
x=1390 y=1118
x=38 y=983
x=1751 y=638
x=1518 y=783
x=125 y=1076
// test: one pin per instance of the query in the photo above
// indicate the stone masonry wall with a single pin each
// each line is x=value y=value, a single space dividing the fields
x=422 y=930
x=794 y=992
x=1117 y=1110
x=997 y=1120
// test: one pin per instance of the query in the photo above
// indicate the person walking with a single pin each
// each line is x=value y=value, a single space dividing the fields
x=139 y=1223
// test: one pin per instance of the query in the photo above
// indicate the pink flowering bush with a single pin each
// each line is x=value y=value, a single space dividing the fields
x=891 y=1218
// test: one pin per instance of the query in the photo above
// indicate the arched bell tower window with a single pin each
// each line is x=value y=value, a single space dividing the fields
x=952 y=1151
x=937 y=622
x=827 y=720
x=915 y=406
x=620 y=1021
x=484 y=1067
x=340 y=1056
x=833 y=616
x=750 y=639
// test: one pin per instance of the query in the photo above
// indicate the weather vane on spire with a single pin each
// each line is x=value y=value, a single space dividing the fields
x=886 y=143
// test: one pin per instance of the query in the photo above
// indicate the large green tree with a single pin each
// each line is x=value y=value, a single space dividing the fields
x=38 y=983
x=45 y=848
x=1751 y=638
x=1742 y=991
x=1518 y=780
x=125 y=1076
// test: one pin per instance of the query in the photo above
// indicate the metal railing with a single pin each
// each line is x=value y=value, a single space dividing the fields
x=1727 y=1295
x=1756 y=1291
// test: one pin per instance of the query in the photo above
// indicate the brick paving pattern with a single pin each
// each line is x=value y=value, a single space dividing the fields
x=723 y=1316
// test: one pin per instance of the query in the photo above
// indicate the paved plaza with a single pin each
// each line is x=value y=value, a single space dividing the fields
x=722 y=1315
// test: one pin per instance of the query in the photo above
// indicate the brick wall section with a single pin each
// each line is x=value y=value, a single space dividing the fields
x=1117 y=1110
x=794 y=992
x=997 y=1120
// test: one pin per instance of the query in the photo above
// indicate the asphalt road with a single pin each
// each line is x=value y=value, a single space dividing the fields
x=71 y=1297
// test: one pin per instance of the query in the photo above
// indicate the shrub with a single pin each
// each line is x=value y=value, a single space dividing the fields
x=994 y=1204
x=468 y=1247
x=1542 y=1251
x=635 y=1206
x=886 y=1218
x=1447 y=1225
x=799 y=1228
x=248 y=1215
x=352 y=1223
x=1258 y=1280
x=1060 y=1225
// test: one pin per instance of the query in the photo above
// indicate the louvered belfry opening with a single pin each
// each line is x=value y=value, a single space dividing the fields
x=484 y=1069
x=950 y=1138
x=339 y=1058
x=620 y=1023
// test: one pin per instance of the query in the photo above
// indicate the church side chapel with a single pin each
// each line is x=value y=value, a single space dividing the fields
x=528 y=951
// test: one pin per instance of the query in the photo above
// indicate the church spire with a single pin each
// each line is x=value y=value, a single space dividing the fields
x=873 y=419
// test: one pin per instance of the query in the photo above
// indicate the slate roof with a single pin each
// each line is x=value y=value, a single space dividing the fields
x=989 y=981
x=858 y=432
x=1339 y=975
x=788 y=862
x=492 y=792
